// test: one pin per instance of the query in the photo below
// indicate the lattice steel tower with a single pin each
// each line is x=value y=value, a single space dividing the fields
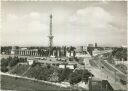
x=50 y=34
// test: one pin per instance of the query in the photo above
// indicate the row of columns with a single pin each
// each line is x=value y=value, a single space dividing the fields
x=58 y=52
x=55 y=52
x=71 y=54
x=28 y=52
x=35 y=53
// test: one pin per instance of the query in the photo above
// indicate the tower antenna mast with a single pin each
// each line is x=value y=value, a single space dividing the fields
x=50 y=35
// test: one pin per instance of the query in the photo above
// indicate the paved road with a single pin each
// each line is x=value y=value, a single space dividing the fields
x=113 y=77
x=107 y=66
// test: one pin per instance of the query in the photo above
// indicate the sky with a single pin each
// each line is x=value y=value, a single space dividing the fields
x=75 y=23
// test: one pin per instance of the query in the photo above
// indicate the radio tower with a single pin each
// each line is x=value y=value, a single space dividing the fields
x=50 y=36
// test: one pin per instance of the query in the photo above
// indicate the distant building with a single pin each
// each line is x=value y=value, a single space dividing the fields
x=62 y=66
x=23 y=48
x=70 y=66
x=96 y=45
x=83 y=55
x=6 y=49
x=90 y=45
x=79 y=49
x=96 y=52
x=84 y=48
x=30 y=61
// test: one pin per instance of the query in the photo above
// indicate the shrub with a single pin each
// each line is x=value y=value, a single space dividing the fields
x=41 y=73
x=4 y=62
x=120 y=53
x=75 y=78
x=12 y=61
x=4 y=68
x=63 y=74
x=79 y=75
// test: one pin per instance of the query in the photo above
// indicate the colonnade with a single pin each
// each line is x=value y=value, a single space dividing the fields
x=27 y=52
x=58 y=52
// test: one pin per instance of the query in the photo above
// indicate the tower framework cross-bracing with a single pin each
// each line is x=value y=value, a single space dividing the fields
x=50 y=35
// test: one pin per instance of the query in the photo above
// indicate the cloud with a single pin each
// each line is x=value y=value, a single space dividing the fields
x=95 y=24
x=28 y=29
x=35 y=15
x=92 y=17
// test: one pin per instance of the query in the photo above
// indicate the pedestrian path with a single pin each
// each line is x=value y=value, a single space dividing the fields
x=26 y=71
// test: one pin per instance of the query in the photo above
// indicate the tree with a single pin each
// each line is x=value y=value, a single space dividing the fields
x=120 y=53
x=4 y=62
x=40 y=52
x=63 y=74
x=41 y=73
x=75 y=78
x=79 y=75
x=4 y=68
x=13 y=61
x=6 y=49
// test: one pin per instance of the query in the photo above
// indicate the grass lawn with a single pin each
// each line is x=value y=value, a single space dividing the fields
x=11 y=83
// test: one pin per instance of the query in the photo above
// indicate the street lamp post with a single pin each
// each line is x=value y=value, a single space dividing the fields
x=101 y=70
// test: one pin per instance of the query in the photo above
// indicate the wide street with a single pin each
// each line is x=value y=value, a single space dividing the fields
x=103 y=71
